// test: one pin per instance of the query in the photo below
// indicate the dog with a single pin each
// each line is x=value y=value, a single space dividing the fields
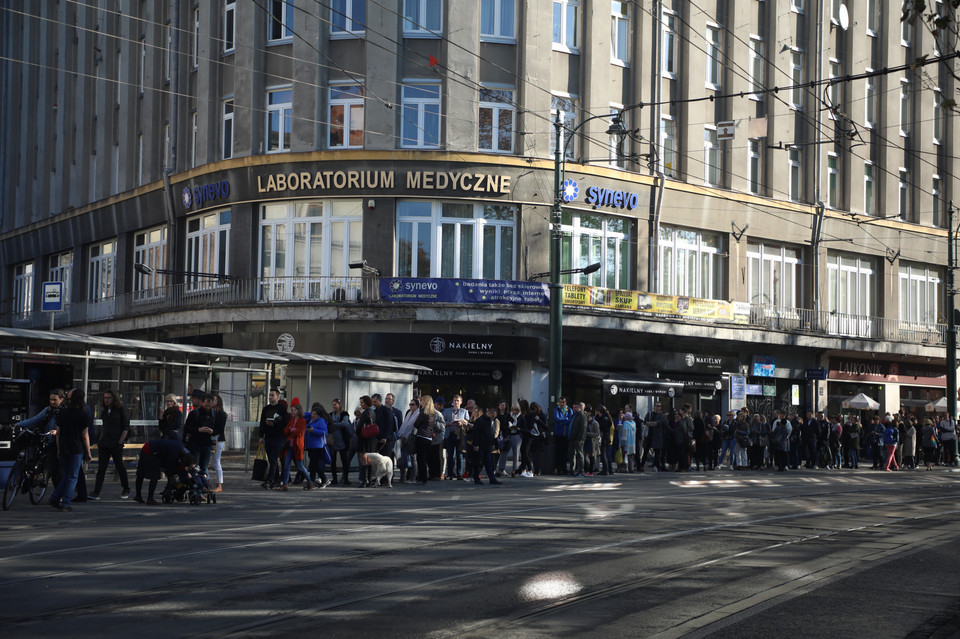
x=381 y=467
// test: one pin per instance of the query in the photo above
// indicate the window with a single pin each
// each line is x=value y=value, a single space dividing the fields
x=346 y=116
x=906 y=33
x=195 y=40
x=456 y=239
x=937 y=201
x=279 y=119
x=904 y=107
x=903 y=190
x=280 y=25
x=620 y=33
x=937 y=116
x=872 y=17
x=921 y=295
x=565 y=14
x=835 y=11
x=61 y=268
x=100 y=275
x=796 y=6
x=166 y=150
x=142 y=69
x=23 y=290
x=713 y=58
x=229 y=26
x=851 y=289
x=774 y=278
x=194 y=130
x=226 y=134
x=348 y=18
x=420 y=115
x=150 y=249
x=834 y=94
x=565 y=109
x=793 y=160
x=691 y=263
x=796 y=78
x=870 y=101
x=869 y=190
x=616 y=141
x=668 y=146
x=208 y=248
x=496 y=120
x=139 y=159
x=669 y=44
x=754 y=166
x=498 y=20
x=306 y=249
x=422 y=18
x=833 y=181
x=711 y=156
x=756 y=65
x=589 y=238
x=168 y=52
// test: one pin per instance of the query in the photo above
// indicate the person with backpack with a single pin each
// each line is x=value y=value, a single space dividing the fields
x=891 y=437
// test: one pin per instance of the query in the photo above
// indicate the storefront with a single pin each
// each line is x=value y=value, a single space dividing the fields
x=894 y=384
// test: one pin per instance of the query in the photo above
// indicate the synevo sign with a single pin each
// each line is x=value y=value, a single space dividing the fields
x=598 y=196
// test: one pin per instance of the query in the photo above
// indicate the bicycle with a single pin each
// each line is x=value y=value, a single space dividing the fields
x=30 y=472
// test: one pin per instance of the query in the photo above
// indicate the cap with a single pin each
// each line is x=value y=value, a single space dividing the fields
x=628 y=415
x=295 y=402
x=440 y=400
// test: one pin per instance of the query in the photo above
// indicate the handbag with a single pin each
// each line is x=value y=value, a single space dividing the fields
x=325 y=455
x=369 y=431
x=618 y=457
x=260 y=464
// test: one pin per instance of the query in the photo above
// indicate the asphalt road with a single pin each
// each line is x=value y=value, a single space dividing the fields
x=724 y=554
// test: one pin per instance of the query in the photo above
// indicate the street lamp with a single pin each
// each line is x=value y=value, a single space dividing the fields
x=556 y=215
x=143 y=269
x=586 y=270
x=363 y=266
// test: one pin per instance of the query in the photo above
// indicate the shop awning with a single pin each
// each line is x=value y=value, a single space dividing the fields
x=648 y=387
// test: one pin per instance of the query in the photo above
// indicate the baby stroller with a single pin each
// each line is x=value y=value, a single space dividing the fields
x=191 y=485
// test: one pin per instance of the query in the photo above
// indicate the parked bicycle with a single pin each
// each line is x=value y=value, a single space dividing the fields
x=30 y=472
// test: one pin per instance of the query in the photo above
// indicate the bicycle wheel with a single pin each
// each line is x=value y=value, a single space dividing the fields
x=38 y=487
x=14 y=480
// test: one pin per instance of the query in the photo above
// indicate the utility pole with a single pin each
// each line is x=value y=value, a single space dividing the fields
x=951 y=322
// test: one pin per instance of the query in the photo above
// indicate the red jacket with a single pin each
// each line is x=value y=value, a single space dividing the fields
x=295 y=430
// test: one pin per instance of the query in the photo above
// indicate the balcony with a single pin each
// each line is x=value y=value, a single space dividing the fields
x=358 y=291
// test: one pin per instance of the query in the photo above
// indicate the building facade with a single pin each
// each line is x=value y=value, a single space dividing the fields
x=788 y=162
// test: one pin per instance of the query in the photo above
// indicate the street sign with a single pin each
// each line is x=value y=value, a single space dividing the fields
x=816 y=373
x=52 y=297
x=725 y=130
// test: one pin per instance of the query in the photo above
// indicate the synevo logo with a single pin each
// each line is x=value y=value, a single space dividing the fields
x=598 y=196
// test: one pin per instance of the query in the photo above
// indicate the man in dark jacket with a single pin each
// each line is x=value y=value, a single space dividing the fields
x=113 y=434
x=273 y=419
x=198 y=431
x=483 y=443
x=578 y=433
x=809 y=435
x=388 y=424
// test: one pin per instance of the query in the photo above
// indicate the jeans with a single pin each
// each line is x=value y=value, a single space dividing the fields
x=575 y=456
x=515 y=441
x=606 y=459
x=728 y=444
x=486 y=457
x=215 y=465
x=286 y=466
x=854 y=457
x=423 y=453
x=104 y=454
x=273 y=446
x=69 y=469
x=454 y=466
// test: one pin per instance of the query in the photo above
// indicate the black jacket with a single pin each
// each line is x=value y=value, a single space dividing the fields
x=115 y=422
x=273 y=419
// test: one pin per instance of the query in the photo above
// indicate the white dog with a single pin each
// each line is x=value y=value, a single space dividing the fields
x=381 y=467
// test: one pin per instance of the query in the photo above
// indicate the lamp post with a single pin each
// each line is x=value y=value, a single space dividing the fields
x=143 y=269
x=556 y=215
x=951 y=322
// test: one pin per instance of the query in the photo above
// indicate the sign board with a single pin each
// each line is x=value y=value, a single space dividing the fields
x=738 y=387
x=726 y=130
x=816 y=373
x=764 y=366
x=286 y=343
x=52 y=297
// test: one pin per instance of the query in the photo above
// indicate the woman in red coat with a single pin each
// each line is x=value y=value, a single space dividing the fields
x=294 y=430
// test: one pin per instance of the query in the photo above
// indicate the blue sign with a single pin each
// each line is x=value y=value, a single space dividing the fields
x=52 y=297
x=754 y=389
x=764 y=366
x=197 y=196
x=433 y=290
x=816 y=373
x=598 y=196
x=738 y=387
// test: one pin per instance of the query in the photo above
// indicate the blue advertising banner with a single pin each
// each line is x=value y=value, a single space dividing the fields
x=432 y=290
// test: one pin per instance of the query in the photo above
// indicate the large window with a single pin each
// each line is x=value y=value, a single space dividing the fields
x=348 y=17
x=226 y=134
x=936 y=194
x=834 y=92
x=793 y=175
x=565 y=27
x=150 y=249
x=101 y=279
x=346 y=115
x=620 y=33
x=208 y=248
x=422 y=18
x=498 y=20
x=61 y=268
x=796 y=78
x=590 y=238
x=195 y=40
x=904 y=107
x=420 y=115
x=774 y=275
x=229 y=26
x=872 y=17
x=496 y=120
x=456 y=239
x=306 y=249
x=921 y=295
x=756 y=65
x=869 y=190
x=280 y=22
x=851 y=300
x=668 y=146
x=833 y=181
x=711 y=156
x=903 y=192
x=754 y=166
x=938 y=115
x=670 y=40
x=691 y=263
x=279 y=119
x=870 y=101
x=713 y=57
x=23 y=290
x=564 y=108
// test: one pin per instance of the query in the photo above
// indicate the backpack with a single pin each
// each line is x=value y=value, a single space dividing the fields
x=776 y=437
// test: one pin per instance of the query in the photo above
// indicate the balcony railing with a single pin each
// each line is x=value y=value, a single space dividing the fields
x=366 y=290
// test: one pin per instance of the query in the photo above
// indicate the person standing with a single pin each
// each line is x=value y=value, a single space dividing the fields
x=171 y=421
x=562 y=415
x=457 y=418
x=910 y=443
x=512 y=439
x=483 y=441
x=316 y=444
x=424 y=428
x=341 y=426
x=198 y=431
x=389 y=400
x=577 y=436
x=591 y=448
x=947 y=429
x=46 y=422
x=113 y=434
x=628 y=442
x=656 y=425
x=73 y=448
x=273 y=419
x=220 y=439
x=388 y=425
x=294 y=432
x=891 y=437
x=929 y=442
x=606 y=440
x=537 y=427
